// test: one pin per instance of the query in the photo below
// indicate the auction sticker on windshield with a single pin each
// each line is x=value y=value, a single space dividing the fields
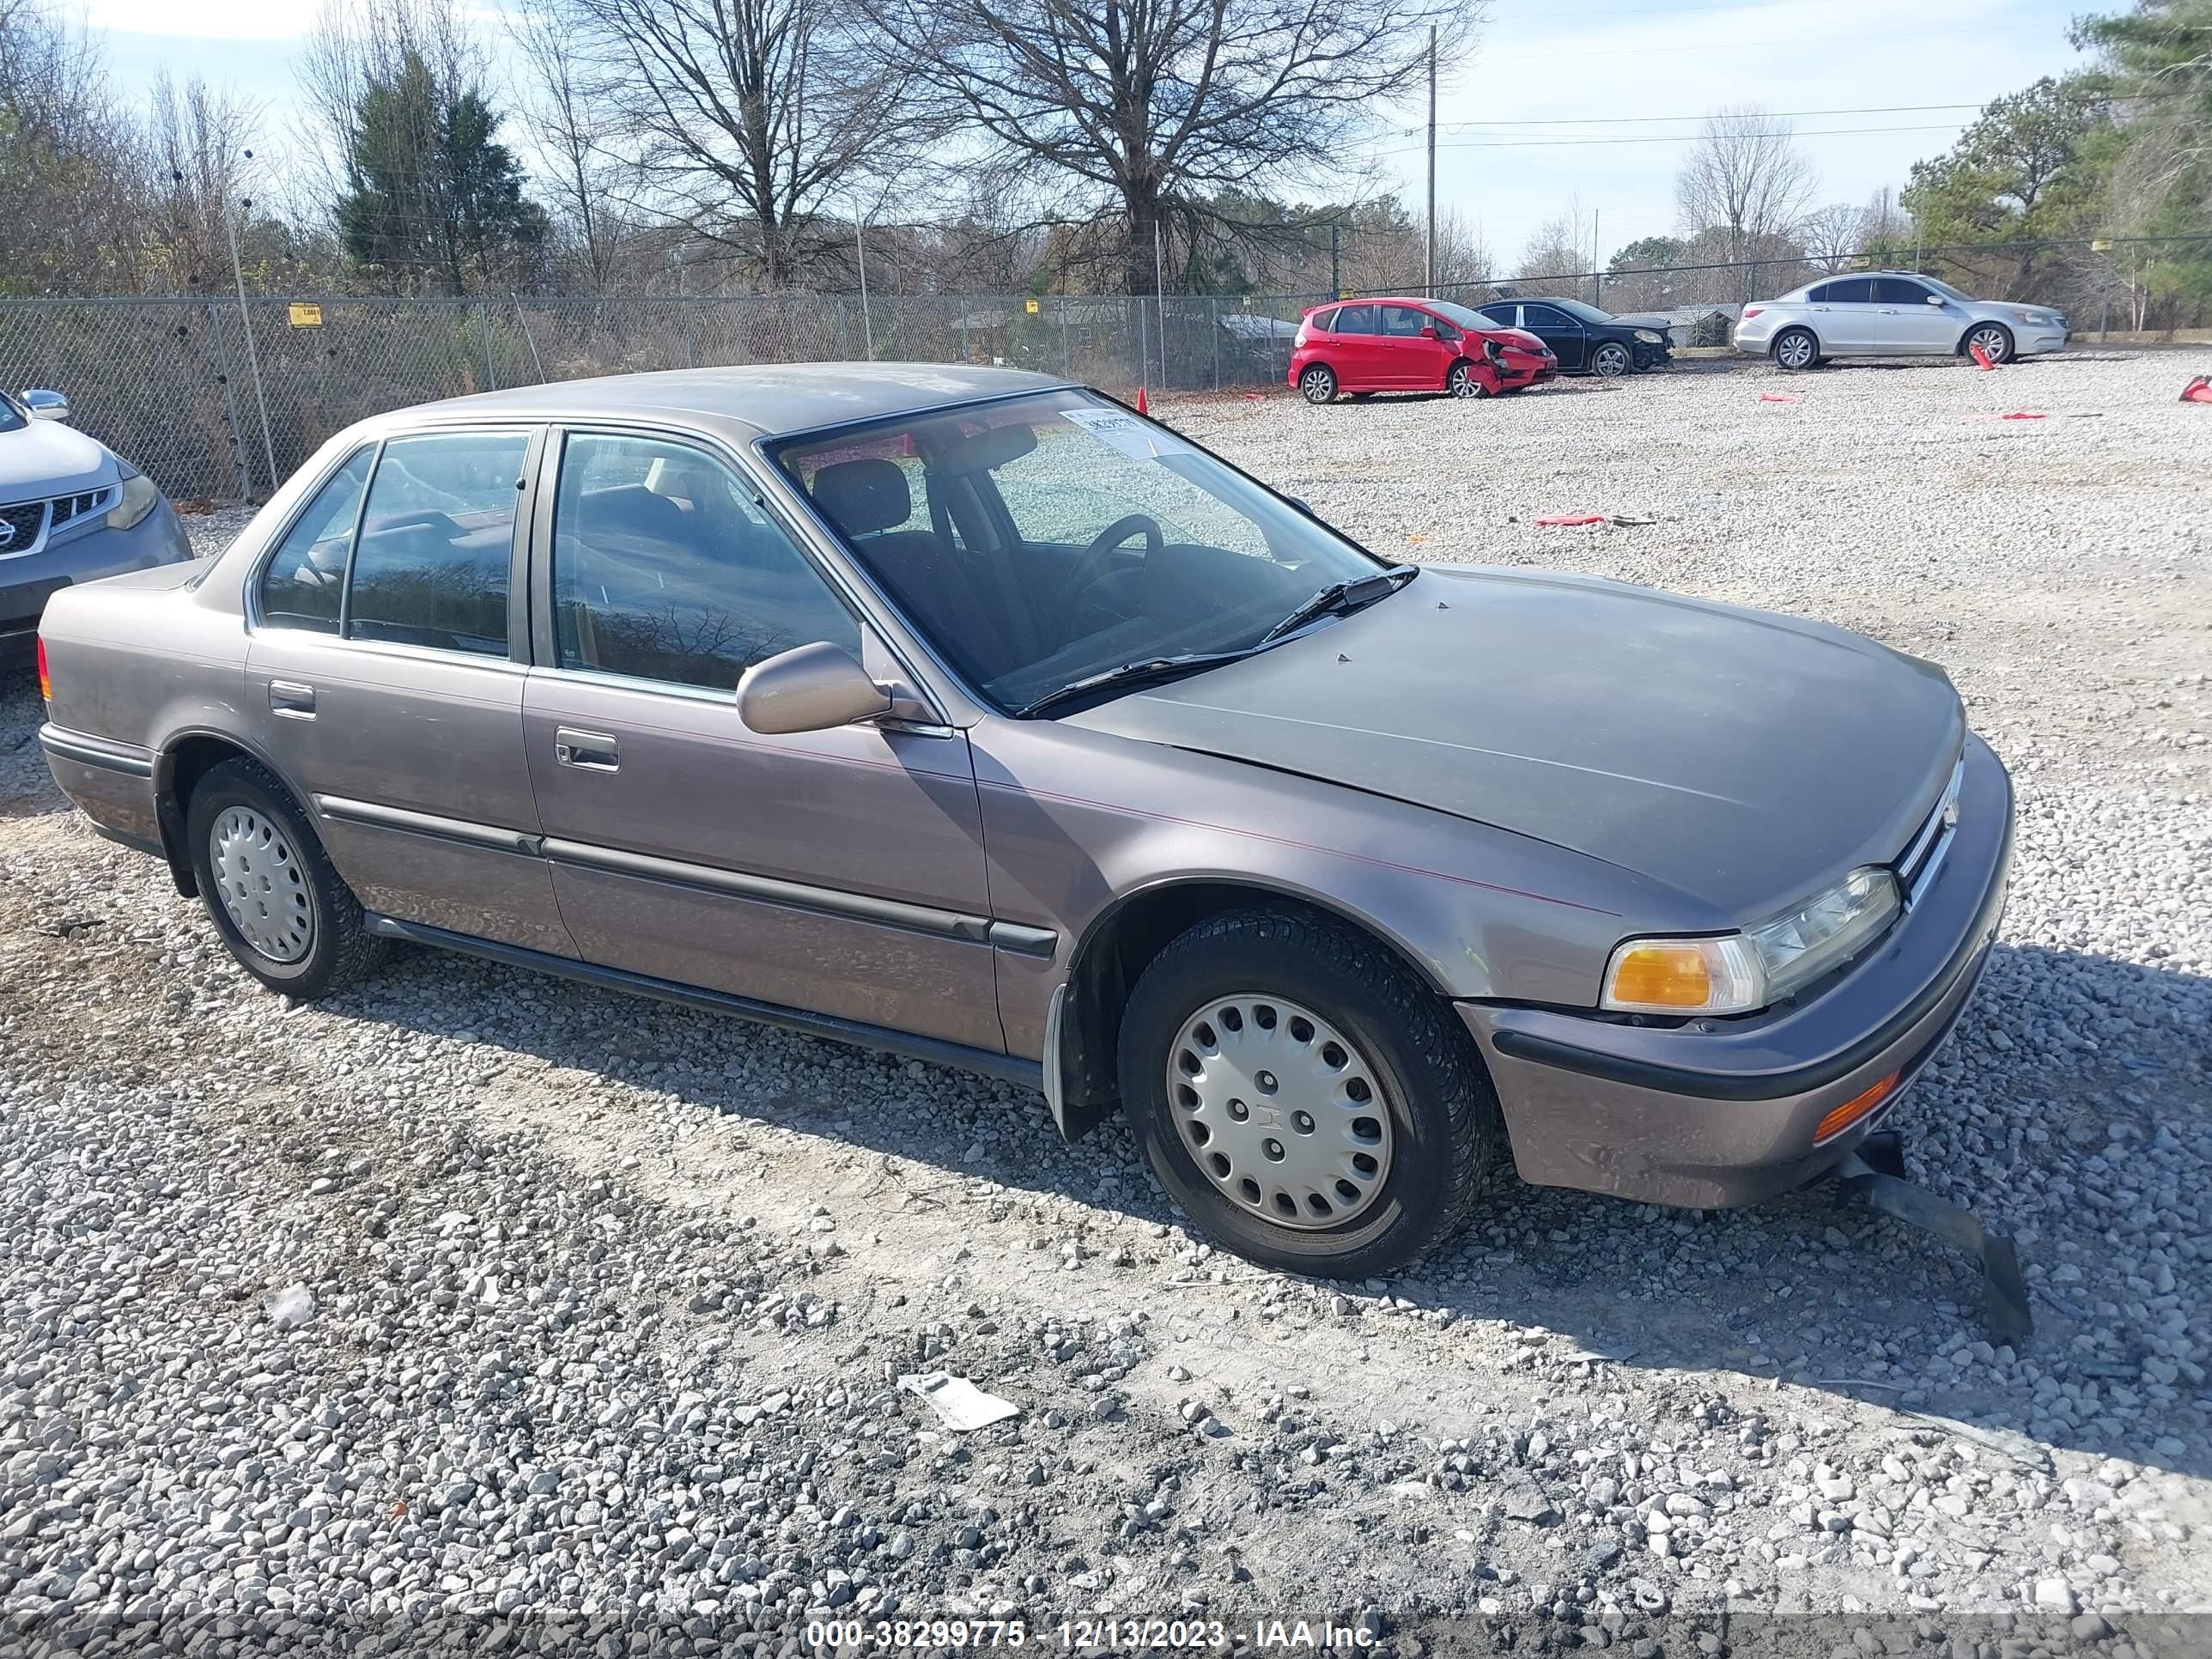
x=1126 y=432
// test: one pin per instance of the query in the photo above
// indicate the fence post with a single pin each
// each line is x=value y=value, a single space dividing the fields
x=1066 y=357
x=530 y=338
x=1213 y=329
x=230 y=402
x=690 y=349
x=483 y=328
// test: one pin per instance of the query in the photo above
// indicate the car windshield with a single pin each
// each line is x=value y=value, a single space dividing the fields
x=1460 y=314
x=12 y=417
x=1587 y=313
x=1944 y=288
x=1039 y=541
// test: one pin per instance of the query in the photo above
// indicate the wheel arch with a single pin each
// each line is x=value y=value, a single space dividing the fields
x=2012 y=340
x=1123 y=939
x=184 y=759
x=1774 y=345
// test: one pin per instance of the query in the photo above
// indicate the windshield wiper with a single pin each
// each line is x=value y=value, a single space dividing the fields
x=1344 y=597
x=1144 y=670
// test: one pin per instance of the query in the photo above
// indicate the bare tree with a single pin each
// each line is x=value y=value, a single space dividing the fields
x=71 y=166
x=1831 y=234
x=1745 y=175
x=1152 y=110
x=1556 y=249
x=749 y=121
x=567 y=106
x=197 y=139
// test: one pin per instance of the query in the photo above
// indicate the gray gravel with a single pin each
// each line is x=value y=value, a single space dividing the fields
x=476 y=1293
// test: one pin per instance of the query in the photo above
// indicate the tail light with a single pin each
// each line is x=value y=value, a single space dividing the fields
x=45 y=685
x=1750 y=311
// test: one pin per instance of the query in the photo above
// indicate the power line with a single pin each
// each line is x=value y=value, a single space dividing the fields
x=1705 y=115
x=1667 y=138
x=1733 y=46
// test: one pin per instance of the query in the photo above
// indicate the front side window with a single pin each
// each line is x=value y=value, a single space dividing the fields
x=1066 y=538
x=665 y=569
x=1899 y=291
x=1404 y=322
x=303 y=578
x=437 y=537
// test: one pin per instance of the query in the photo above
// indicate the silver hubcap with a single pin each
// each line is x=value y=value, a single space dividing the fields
x=1317 y=383
x=1991 y=342
x=264 y=888
x=1280 y=1111
x=1797 y=351
x=1611 y=360
x=1463 y=383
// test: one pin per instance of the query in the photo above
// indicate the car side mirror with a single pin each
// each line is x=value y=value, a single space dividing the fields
x=1429 y=333
x=1303 y=505
x=1934 y=299
x=46 y=405
x=811 y=687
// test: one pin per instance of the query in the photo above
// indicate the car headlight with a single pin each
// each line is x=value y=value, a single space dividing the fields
x=1762 y=964
x=139 y=498
x=2039 y=318
x=1648 y=336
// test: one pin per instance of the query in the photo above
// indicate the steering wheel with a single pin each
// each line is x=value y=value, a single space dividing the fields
x=1090 y=566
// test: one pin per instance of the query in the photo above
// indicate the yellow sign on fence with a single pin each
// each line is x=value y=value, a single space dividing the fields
x=2100 y=245
x=1029 y=306
x=307 y=314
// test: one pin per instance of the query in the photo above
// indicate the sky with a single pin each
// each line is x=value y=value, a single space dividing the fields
x=1521 y=103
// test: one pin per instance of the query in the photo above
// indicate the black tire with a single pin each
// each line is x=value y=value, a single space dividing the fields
x=1317 y=383
x=1996 y=339
x=338 y=950
x=1797 y=349
x=1611 y=360
x=1461 y=381
x=1445 y=1131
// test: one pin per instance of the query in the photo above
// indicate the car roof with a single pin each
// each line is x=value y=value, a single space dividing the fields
x=773 y=399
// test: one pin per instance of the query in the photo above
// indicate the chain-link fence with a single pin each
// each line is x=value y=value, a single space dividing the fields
x=211 y=399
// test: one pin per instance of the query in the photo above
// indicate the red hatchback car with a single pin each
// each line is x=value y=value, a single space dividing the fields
x=1364 y=346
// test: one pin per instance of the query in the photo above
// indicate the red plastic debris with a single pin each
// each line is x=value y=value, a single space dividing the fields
x=1144 y=405
x=2198 y=391
x=1778 y=398
x=1982 y=357
x=1572 y=518
x=2024 y=415
x=1252 y=397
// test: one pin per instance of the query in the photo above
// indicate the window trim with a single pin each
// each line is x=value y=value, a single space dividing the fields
x=258 y=571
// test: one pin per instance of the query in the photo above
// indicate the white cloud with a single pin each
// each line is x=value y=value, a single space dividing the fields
x=232 y=20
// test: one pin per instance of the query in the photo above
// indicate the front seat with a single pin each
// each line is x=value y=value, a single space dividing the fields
x=866 y=499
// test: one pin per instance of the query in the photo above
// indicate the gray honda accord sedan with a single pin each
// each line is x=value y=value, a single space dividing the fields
x=967 y=713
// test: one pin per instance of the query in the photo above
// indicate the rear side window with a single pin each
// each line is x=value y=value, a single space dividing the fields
x=431 y=568
x=1505 y=316
x=1356 y=319
x=1546 y=317
x=1850 y=291
x=1322 y=321
x=301 y=584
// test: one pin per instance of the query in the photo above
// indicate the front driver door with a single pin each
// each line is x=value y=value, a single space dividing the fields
x=840 y=873
x=1569 y=340
x=1910 y=324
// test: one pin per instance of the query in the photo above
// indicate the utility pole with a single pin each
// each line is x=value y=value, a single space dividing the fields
x=252 y=357
x=1429 y=250
x=1597 y=266
x=1160 y=298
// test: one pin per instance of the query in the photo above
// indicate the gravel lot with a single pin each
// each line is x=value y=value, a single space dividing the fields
x=605 y=1301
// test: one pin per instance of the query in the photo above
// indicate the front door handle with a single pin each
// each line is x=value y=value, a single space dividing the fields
x=292 y=700
x=594 y=752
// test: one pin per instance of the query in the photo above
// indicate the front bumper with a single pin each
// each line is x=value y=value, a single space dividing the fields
x=1726 y=1115
x=2032 y=342
x=28 y=580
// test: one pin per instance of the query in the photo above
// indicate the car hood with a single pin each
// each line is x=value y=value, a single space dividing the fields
x=1739 y=757
x=1645 y=319
x=45 y=458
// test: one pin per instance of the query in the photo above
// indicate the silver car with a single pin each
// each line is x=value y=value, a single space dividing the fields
x=965 y=712
x=71 y=510
x=1893 y=314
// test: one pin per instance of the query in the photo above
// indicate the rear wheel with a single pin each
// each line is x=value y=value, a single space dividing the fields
x=1994 y=338
x=279 y=904
x=1610 y=361
x=1305 y=1101
x=1795 y=349
x=1318 y=384
x=1461 y=381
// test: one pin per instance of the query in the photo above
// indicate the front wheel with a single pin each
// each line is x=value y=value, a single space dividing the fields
x=1610 y=361
x=1306 y=1102
x=1994 y=338
x=1463 y=382
x=1795 y=349
x=271 y=889
x=1318 y=384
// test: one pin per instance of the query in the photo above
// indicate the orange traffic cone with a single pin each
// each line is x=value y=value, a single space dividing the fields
x=2198 y=391
x=1981 y=357
x=1144 y=404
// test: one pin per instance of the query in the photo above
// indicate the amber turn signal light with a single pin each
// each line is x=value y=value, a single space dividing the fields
x=45 y=685
x=1854 y=1108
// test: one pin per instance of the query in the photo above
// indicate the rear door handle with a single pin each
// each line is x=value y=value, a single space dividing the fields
x=594 y=752
x=292 y=700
